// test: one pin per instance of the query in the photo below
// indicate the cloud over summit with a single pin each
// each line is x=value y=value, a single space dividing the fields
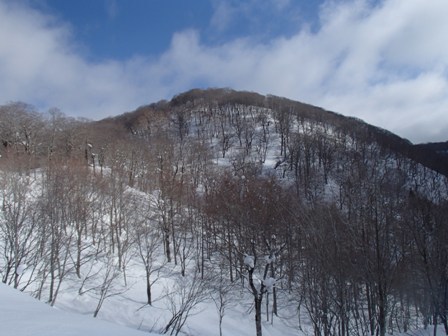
x=385 y=62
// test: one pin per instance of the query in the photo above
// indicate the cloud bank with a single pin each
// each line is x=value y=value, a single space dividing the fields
x=385 y=62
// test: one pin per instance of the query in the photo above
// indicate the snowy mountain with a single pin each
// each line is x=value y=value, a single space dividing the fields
x=225 y=212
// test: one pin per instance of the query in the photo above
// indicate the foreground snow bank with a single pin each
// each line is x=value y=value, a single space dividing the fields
x=22 y=315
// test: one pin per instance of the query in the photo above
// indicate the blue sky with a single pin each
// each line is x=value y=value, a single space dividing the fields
x=122 y=29
x=383 y=61
x=111 y=29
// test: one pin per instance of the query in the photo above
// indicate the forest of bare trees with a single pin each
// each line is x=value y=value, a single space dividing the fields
x=240 y=192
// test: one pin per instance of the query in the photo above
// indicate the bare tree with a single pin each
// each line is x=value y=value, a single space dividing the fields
x=222 y=294
x=16 y=226
x=148 y=243
x=107 y=289
x=183 y=301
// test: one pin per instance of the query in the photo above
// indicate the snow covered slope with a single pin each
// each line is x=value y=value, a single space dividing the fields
x=22 y=315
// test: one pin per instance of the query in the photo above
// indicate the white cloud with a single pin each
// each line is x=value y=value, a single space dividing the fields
x=222 y=15
x=39 y=64
x=385 y=63
x=111 y=9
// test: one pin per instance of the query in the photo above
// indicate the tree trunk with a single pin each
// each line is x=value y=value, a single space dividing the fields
x=148 y=288
x=258 y=298
x=381 y=311
x=257 y=302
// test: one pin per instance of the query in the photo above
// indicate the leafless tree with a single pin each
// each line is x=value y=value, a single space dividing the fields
x=17 y=226
x=107 y=289
x=186 y=295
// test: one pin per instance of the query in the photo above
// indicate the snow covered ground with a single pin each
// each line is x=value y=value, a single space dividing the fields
x=22 y=315
x=130 y=309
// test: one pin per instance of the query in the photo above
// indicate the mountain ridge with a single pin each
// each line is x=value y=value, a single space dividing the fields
x=425 y=154
x=217 y=191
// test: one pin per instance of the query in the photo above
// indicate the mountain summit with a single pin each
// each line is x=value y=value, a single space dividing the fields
x=290 y=212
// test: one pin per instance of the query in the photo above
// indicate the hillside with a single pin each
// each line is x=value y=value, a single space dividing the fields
x=227 y=204
x=441 y=148
x=139 y=121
